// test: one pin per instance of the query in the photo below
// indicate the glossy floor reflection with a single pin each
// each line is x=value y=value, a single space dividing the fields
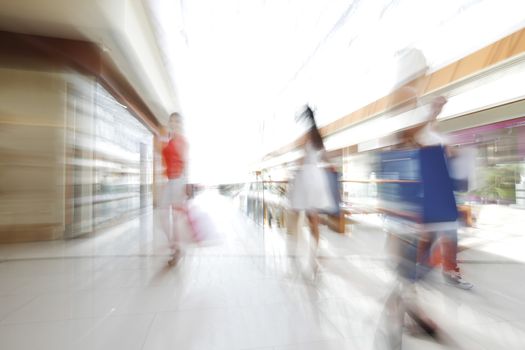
x=114 y=290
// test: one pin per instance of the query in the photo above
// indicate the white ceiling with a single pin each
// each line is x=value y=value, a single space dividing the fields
x=244 y=67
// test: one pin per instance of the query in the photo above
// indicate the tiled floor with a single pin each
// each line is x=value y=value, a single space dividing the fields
x=115 y=291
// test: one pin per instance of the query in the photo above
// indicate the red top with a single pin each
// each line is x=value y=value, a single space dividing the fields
x=173 y=153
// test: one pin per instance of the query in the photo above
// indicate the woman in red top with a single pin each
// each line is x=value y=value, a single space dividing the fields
x=173 y=196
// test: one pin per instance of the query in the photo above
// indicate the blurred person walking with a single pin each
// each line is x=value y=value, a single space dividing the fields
x=422 y=214
x=172 y=203
x=412 y=76
x=311 y=190
x=417 y=203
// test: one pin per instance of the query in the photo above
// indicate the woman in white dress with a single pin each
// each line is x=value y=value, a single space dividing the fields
x=311 y=188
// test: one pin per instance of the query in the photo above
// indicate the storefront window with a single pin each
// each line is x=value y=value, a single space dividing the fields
x=123 y=160
x=498 y=176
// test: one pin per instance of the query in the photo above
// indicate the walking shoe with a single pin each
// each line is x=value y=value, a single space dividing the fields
x=175 y=257
x=454 y=278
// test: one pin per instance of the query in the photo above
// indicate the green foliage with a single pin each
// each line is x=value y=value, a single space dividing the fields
x=499 y=183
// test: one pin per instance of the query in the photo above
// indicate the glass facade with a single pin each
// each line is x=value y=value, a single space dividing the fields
x=123 y=161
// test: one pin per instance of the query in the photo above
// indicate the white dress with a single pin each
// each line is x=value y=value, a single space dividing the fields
x=311 y=188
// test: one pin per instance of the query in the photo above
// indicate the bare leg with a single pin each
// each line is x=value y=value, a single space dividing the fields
x=313 y=220
x=165 y=221
x=167 y=216
x=174 y=238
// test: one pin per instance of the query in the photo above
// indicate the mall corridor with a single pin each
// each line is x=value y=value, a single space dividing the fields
x=262 y=175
